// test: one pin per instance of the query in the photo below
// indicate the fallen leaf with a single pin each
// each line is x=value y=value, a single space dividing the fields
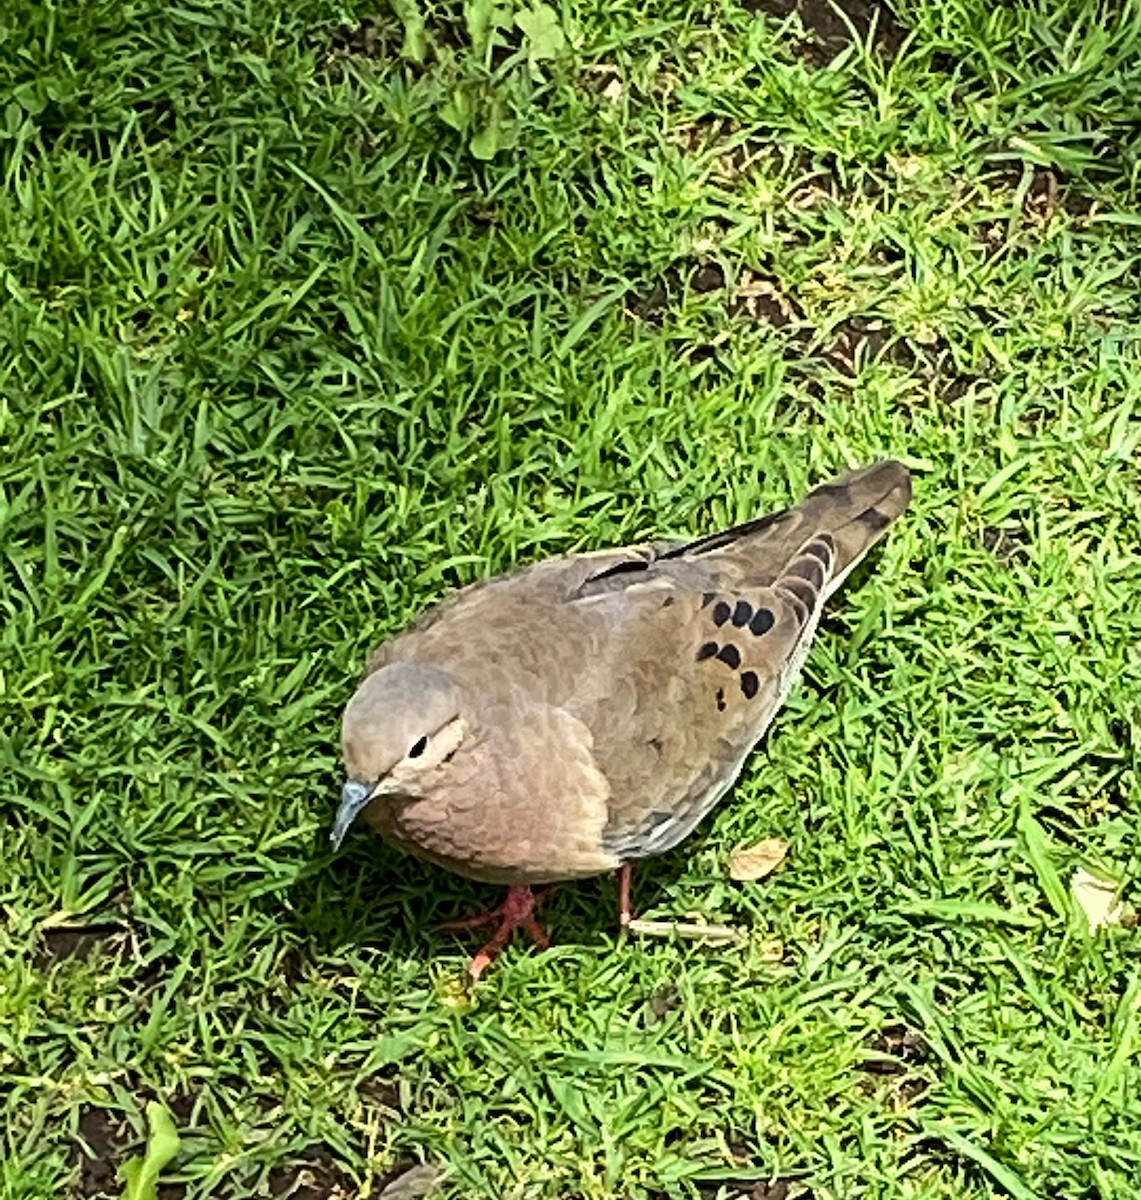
x=540 y=26
x=771 y=951
x=141 y=1174
x=455 y=993
x=544 y=35
x=718 y=934
x=1097 y=898
x=415 y=1183
x=415 y=46
x=755 y=862
x=483 y=18
x=486 y=143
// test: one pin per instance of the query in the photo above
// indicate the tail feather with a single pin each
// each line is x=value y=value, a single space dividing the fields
x=856 y=510
x=853 y=510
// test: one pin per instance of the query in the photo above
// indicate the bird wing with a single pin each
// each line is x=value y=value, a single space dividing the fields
x=669 y=658
x=705 y=646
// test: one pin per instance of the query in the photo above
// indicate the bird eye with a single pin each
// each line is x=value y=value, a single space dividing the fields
x=419 y=748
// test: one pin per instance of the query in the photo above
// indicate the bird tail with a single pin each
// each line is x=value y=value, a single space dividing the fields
x=854 y=510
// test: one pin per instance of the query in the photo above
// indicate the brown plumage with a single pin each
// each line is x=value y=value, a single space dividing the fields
x=588 y=711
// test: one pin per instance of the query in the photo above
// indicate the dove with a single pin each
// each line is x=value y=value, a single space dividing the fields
x=588 y=711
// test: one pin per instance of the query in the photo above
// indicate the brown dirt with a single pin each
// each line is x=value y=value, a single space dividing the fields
x=663 y=1002
x=73 y=942
x=829 y=31
x=483 y=219
x=103 y=1138
x=857 y=340
x=709 y=277
x=383 y=1092
x=774 y=1189
x=291 y=965
x=106 y=1140
x=315 y=1176
x=657 y=298
x=778 y=1189
x=1047 y=195
x=367 y=39
x=758 y=296
x=1005 y=542
x=904 y=1044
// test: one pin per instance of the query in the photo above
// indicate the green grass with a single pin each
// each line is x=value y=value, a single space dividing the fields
x=282 y=361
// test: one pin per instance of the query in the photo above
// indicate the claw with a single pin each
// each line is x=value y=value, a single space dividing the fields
x=516 y=912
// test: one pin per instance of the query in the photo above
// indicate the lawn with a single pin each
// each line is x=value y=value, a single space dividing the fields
x=311 y=312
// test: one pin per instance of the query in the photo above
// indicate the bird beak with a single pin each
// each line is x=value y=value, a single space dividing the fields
x=355 y=797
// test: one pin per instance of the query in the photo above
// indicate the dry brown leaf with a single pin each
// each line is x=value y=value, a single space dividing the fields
x=1097 y=897
x=415 y=1183
x=755 y=862
x=771 y=951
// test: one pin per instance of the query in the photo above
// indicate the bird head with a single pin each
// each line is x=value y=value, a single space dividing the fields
x=404 y=721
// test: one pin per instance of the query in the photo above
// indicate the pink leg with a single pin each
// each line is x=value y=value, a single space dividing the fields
x=516 y=912
x=625 y=872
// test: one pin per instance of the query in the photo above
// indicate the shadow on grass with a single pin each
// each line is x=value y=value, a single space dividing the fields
x=370 y=895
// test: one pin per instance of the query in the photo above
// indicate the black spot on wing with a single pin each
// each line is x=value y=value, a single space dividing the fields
x=618 y=576
x=721 y=612
x=720 y=699
x=706 y=650
x=707 y=598
x=741 y=613
x=626 y=567
x=730 y=656
x=762 y=621
x=874 y=520
x=749 y=684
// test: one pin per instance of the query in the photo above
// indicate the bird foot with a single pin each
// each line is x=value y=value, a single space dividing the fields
x=516 y=912
x=625 y=872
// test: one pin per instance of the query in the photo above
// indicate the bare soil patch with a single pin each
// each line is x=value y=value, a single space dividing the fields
x=829 y=31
